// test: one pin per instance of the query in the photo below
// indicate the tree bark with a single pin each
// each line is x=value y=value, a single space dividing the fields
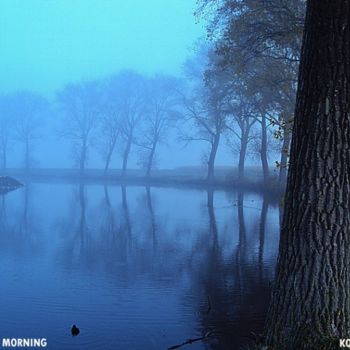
x=311 y=298
x=287 y=136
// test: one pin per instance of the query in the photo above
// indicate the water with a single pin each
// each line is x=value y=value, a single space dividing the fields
x=135 y=268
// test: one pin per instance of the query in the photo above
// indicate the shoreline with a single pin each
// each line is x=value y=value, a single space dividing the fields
x=257 y=184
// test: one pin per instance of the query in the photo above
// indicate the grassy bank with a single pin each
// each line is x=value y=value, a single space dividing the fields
x=193 y=177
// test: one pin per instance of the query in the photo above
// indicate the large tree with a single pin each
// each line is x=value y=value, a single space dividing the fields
x=262 y=33
x=311 y=300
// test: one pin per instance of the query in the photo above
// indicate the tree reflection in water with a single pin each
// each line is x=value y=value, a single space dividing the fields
x=215 y=259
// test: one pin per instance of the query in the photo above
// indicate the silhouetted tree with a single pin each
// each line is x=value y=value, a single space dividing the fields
x=131 y=90
x=80 y=104
x=111 y=120
x=243 y=116
x=250 y=35
x=204 y=105
x=161 y=115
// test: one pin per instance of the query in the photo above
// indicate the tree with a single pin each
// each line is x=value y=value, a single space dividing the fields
x=130 y=87
x=204 y=106
x=161 y=115
x=246 y=30
x=110 y=131
x=111 y=120
x=28 y=109
x=271 y=92
x=311 y=301
x=80 y=104
x=241 y=109
x=263 y=33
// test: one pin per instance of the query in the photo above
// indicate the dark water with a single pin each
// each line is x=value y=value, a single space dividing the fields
x=135 y=268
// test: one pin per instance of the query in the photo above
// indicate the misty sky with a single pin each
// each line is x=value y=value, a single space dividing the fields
x=46 y=43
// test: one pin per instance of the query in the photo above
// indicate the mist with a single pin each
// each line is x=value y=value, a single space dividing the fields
x=144 y=153
x=48 y=45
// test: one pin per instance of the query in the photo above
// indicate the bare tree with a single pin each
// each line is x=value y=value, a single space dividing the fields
x=111 y=120
x=242 y=116
x=130 y=87
x=80 y=104
x=162 y=98
x=204 y=105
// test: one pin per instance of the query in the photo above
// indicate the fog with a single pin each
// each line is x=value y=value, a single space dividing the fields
x=144 y=148
x=48 y=44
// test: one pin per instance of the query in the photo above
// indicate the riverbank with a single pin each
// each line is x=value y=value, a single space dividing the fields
x=192 y=177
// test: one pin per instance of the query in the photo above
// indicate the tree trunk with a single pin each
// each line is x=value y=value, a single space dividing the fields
x=126 y=156
x=287 y=136
x=109 y=155
x=212 y=157
x=82 y=158
x=311 y=301
x=242 y=154
x=263 y=150
x=150 y=159
x=27 y=160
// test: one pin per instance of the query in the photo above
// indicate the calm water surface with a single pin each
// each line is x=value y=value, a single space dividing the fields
x=134 y=267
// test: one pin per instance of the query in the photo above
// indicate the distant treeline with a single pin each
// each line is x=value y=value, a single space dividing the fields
x=227 y=94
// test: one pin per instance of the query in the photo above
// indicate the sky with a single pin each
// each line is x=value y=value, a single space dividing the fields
x=47 y=43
